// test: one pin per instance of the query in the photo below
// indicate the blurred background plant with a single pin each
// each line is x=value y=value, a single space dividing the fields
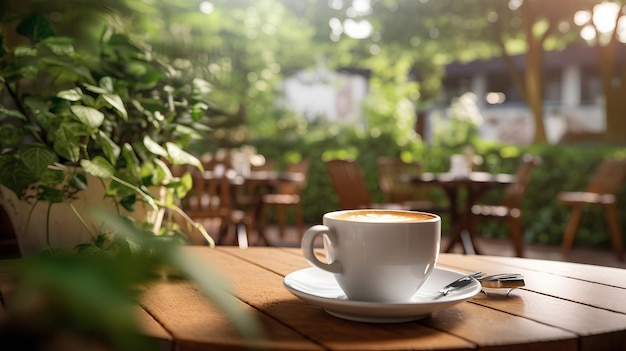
x=76 y=103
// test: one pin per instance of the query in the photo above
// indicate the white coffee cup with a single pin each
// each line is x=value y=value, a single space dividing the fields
x=377 y=255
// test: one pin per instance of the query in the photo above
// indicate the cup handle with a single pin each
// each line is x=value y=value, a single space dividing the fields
x=309 y=255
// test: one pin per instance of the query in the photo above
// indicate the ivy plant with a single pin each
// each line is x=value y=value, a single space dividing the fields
x=122 y=115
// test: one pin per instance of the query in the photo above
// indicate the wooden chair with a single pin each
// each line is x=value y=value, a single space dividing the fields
x=601 y=191
x=509 y=209
x=287 y=194
x=351 y=188
x=390 y=170
x=212 y=199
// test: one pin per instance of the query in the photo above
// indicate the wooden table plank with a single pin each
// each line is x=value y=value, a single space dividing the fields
x=599 y=274
x=496 y=330
x=263 y=289
x=598 y=328
x=154 y=330
x=510 y=332
x=197 y=324
x=590 y=293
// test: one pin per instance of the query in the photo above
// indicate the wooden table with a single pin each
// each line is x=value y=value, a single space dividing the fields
x=564 y=306
x=475 y=185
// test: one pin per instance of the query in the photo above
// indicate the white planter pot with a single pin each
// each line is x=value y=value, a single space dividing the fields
x=65 y=227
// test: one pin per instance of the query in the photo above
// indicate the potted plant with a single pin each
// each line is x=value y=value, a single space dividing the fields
x=113 y=121
x=74 y=122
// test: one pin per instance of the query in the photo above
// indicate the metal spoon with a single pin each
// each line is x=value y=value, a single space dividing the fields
x=459 y=283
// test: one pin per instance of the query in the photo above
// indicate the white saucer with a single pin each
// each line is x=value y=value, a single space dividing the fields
x=320 y=288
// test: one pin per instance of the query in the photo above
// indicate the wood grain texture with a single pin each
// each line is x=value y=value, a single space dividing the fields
x=262 y=288
x=563 y=306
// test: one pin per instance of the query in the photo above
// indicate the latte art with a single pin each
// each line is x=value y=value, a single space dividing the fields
x=375 y=217
x=383 y=216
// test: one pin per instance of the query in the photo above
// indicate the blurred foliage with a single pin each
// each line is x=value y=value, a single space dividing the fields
x=86 y=297
x=565 y=167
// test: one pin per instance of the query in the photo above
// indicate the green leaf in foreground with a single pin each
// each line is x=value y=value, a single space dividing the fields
x=88 y=115
x=98 y=167
x=207 y=279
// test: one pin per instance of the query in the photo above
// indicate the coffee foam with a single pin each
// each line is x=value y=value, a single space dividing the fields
x=382 y=216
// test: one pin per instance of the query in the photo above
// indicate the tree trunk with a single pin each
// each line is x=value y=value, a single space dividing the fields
x=534 y=89
x=614 y=85
x=615 y=105
x=533 y=76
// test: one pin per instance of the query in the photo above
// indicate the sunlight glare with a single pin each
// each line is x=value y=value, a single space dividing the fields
x=582 y=17
x=206 y=7
x=494 y=98
x=335 y=4
x=588 y=33
x=357 y=30
x=374 y=49
x=335 y=24
x=515 y=4
x=433 y=33
x=604 y=16
x=363 y=7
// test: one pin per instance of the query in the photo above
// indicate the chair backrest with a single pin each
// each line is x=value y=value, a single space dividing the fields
x=288 y=187
x=390 y=169
x=349 y=184
x=515 y=192
x=210 y=197
x=609 y=177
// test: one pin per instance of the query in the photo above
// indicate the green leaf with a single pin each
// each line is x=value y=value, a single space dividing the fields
x=161 y=171
x=37 y=158
x=128 y=202
x=132 y=161
x=60 y=46
x=153 y=147
x=151 y=78
x=88 y=116
x=106 y=83
x=15 y=175
x=52 y=177
x=10 y=135
x=79 y=181
x=5 y=112
x=50 y=194
x=71 y=94
x=95 y=89
x=25 y=51
x=150 y=104
x=180 y=157
x=110 y=148
x=57 y=68
x=98 y=167
x=66 y=144
x=116 y=101
x=29 y=72
x=35 y=27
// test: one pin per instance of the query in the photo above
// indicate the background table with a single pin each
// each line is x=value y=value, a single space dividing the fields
x=475 y=184
x=247 y=191
x=564 y=306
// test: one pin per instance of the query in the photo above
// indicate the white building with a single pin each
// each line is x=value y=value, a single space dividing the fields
x=321 y=93
x=573 y=97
